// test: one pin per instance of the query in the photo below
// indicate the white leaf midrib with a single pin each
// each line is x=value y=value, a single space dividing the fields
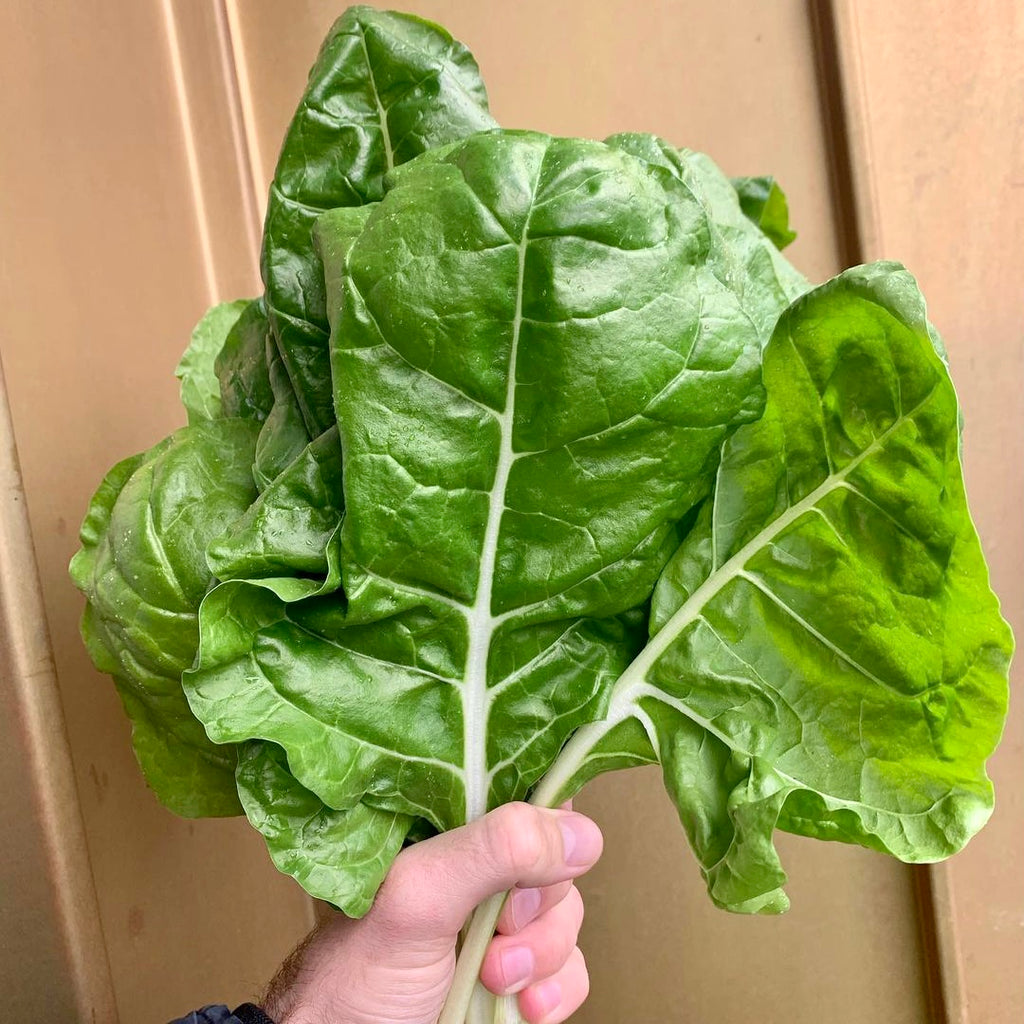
x=482 y=624
x=389 y=155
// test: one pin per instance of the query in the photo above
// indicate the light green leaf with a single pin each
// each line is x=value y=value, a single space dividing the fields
x=826 y=654
x=200 y=389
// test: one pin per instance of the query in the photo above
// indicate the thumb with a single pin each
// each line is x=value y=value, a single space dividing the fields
x=435 y=885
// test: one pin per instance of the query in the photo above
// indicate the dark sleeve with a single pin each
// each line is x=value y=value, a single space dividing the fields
x=247 y=1013
x=208 y=1015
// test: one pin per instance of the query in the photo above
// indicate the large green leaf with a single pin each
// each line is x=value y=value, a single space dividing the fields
x=385 y=87
x=289 y=542
x=143 y=568
x=826 y=654
x=539 y=364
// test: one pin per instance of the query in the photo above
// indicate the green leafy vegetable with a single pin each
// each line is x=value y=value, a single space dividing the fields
x=474 y=586
x=537 y=459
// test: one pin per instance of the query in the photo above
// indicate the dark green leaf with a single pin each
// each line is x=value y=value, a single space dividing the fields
x=241 y=366
x=283 y=435
x=385 y=88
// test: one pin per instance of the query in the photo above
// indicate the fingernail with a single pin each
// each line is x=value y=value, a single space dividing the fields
x=547 y=996
x=516 y=967
x=525 y=904
x=581 y=840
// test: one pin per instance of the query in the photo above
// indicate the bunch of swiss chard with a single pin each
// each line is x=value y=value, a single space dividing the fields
x=535 y=460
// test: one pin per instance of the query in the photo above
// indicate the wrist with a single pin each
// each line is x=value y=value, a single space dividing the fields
x=298 y=1016
x=250 y=1013
x=292 y=1013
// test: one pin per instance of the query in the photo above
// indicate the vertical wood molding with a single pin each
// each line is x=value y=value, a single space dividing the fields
x=211 y=106
x=834 y=106
x=57 y=829
x=239 y=98
x=192 y=160
x=947 y=991
x=838 y=33
x=847 y=120
x=259 y=176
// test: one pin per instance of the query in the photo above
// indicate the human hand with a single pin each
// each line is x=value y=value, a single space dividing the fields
x=395 y=965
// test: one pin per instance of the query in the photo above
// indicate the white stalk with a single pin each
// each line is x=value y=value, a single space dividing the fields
x=482 y=624
x=468 y=1002
x=463 y=1003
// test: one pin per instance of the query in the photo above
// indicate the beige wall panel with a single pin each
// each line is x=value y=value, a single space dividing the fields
x=846 y=953
x=102 y=278
x=936 y=93
x=738 y=80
